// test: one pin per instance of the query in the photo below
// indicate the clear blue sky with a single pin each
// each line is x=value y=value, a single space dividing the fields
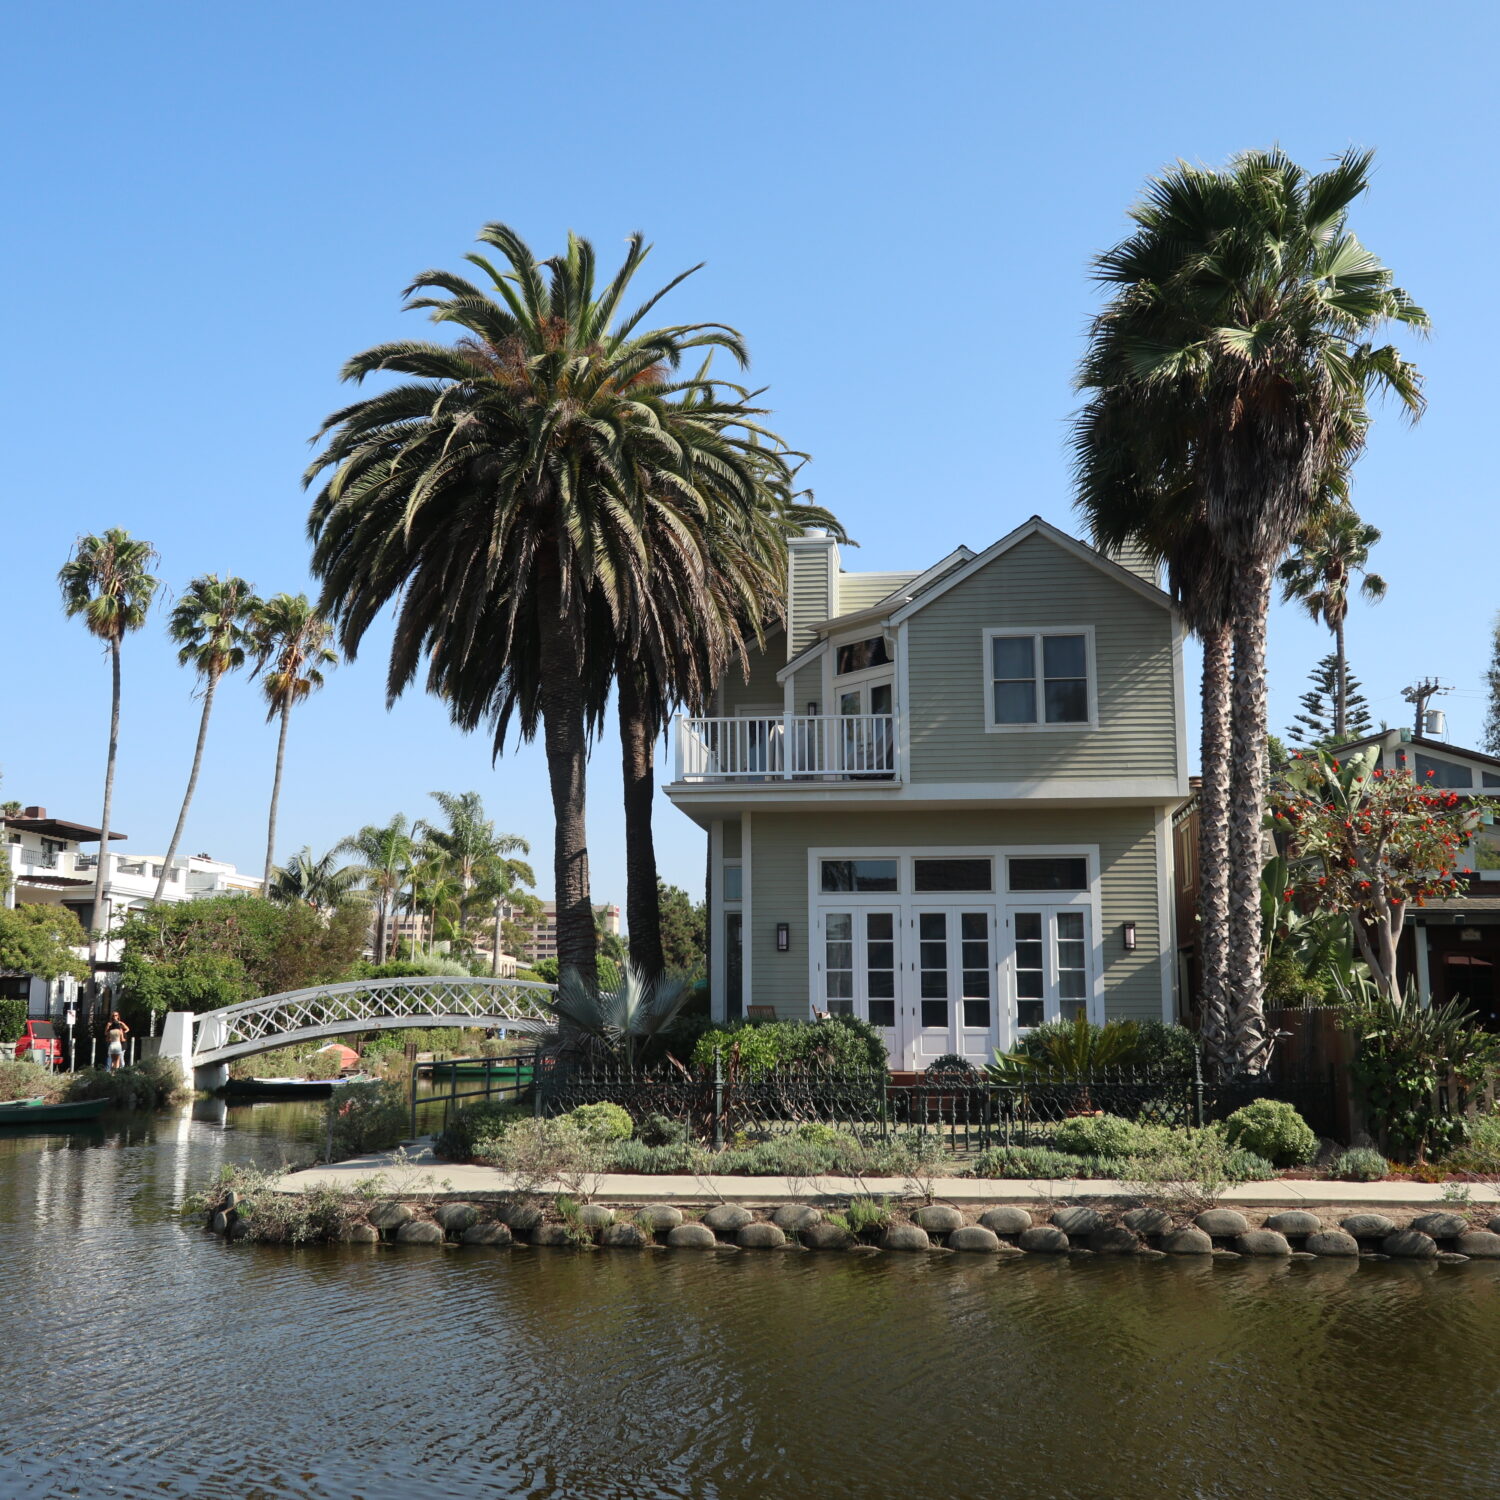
x=210 y=208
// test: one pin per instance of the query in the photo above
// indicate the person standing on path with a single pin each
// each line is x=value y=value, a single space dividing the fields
x=115 y=1033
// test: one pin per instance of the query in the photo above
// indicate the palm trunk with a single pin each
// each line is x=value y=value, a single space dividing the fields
x=1247 y=806
x=1213 y=851
x=380 y=931
x=286 y=714
x=1340 y=686
x=101 y=870
x=192 y=786
x=499 y=926
x=565 y=738
x=637 y=754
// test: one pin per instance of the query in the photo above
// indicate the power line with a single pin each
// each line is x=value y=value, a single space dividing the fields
x=1419 y=693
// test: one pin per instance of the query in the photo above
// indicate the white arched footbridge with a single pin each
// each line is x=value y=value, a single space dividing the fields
x=205 y=1043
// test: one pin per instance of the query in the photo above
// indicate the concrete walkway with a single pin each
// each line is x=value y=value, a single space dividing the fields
x=419 y=1172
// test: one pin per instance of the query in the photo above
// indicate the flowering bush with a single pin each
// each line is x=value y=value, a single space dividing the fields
x=1369 y=843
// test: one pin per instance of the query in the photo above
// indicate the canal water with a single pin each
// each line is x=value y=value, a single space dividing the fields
x=140 y=1356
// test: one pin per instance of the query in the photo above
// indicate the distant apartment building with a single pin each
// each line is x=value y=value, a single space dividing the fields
x=541 y=932
x=50 y=866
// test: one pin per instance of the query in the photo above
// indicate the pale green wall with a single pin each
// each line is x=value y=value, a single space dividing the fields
x=860 y=590
x=1126 y=837
x=1039 y=584
x=812 y=567
x=762 y=686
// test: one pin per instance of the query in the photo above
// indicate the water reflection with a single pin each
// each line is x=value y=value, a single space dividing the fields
x=143 y=1357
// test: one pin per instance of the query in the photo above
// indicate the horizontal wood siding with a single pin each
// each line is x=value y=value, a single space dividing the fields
x=812 y=566
x=860 y=590
x=1126 y=837
x=762 y=686
x=807 y=687
x=1039 y=584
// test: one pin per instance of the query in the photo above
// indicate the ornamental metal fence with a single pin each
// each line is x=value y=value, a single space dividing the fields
x=970 y=1111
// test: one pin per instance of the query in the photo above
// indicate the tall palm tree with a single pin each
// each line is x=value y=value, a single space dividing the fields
x=211 y=624
x=1244 y=308
x=482 y=861
x=291 y=651
x=501 y=495
x=320 y=883
x=108 y=581
x=1331 y=550
x=385 y=856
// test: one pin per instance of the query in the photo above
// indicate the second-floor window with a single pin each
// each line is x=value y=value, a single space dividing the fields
x=1038 y=679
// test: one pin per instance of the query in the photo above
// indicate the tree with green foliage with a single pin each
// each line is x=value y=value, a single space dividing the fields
x=41 y=940
x=683 y=925
x=108 y=582
x=481 y=862
x=513 y=495
x=1314 y=728
x=1492 y=687
x=320 y=883
x=211 y=624
x=1231 y=373
x=1330 y=550
x=384 y=855
x=291 y=651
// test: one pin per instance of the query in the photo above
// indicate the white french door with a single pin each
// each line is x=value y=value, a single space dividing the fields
x=950 y=1003
x=1050 y=972
x=861 y=966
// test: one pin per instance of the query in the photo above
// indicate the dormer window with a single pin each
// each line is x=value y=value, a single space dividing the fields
x=860 y=656
x=1039 y=679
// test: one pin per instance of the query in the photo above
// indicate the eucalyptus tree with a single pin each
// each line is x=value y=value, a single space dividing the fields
x=1243 y=303
x=291 y=651
x=500 y=497
x=108 y=582
x=1332 y=549
x=211 y=624
x=385 y=856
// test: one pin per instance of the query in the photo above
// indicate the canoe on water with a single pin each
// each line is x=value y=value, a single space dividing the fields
x=288 y=1088
x=39 y=1112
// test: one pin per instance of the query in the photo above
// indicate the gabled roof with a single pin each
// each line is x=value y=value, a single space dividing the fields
x=1422 y=743
x=1036 y=526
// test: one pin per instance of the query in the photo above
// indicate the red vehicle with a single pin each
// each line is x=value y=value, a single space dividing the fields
x=40 y=1043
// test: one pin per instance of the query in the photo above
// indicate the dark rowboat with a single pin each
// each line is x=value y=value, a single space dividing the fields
x=39 y=1112
x=287 y=1088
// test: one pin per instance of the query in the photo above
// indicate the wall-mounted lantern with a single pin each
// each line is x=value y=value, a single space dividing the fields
x=783 y=937
x=812 y=708
x=1129 y=931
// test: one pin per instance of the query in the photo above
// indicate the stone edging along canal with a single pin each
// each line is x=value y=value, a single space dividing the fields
x=1447 y=1235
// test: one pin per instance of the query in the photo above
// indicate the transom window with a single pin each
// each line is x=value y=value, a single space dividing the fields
x=860 y=656
x=1037 y=679
x=1052 y=873
x=860 y=875
x=734 y=882
x=930 y=875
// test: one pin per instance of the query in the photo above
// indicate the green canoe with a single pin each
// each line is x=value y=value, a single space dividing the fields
x=39 y=1112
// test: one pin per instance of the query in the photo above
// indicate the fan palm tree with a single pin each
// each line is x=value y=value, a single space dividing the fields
x=108 y=582
x=319 y=883
x=211 y=624
x=291 y=651
x=1331 y=550
x=1242 y=314
x=385 y=856
x=482 y=861
x=503 y=495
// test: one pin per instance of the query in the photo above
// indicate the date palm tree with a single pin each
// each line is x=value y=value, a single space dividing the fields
x=1331 y=550
x=481 y=861
x=501 y=495
x=385 y=856
x=291 y=651
x=1244 y=307
x=211 y=624
x=108 y=582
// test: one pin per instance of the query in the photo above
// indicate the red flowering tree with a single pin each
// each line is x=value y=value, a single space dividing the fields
x=1368 y=844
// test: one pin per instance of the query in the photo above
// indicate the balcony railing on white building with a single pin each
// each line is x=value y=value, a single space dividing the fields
x=799 y=747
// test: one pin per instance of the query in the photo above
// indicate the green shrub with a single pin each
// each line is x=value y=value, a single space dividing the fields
x=819 y=1133
x=1098 y=1135
x=1272 y=1128
x=842 y=1045
x=678 y=1157
x=28 y=1080
x=457 y=1140
x=1246 y=1166
x=366 y=1117
x=151 y=1083
x=1360 y=1164
x=603 y=1122
x=1168 y=1048
x=662 y=1130
x=12 y=1020
x=1030 y=1162
x=863 y=1216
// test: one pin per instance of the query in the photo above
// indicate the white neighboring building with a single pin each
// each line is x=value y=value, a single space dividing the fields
x=51 y=867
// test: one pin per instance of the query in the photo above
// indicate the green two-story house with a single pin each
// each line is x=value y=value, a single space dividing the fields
x=942 y=800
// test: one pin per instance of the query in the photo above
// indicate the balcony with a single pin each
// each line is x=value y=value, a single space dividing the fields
x=810 y=748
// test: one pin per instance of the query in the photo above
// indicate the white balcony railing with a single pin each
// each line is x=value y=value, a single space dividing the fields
x=798 y=748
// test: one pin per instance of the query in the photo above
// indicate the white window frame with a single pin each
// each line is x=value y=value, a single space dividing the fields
x=1036 y=634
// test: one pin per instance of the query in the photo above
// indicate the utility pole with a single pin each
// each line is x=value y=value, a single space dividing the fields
x=1419 y=693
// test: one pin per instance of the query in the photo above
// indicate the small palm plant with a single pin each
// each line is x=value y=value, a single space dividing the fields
x=1073 y=1050
x=621 y=1021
